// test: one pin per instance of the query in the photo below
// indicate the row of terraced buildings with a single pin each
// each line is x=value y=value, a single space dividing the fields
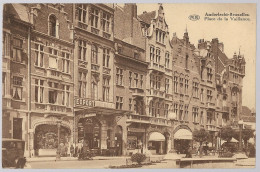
x=101 y=75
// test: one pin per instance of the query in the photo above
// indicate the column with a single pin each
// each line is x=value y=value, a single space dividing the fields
x=103 y=138
x=31 y=143
x=58 y=149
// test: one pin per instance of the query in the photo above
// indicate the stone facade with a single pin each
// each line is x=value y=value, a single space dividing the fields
x=103 y=76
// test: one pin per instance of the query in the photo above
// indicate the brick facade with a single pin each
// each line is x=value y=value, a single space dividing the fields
x=105 y=77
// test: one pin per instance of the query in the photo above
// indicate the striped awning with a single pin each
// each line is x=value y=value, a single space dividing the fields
x=156 y=136
x=183 y=134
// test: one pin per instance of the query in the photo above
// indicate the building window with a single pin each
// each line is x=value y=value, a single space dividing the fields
x=195 y=114
x=152 y=54
x=210 y=118
x=209 y=95
x=209 y=74
x=167 y=85
x=53 y=58
x=166 y=110
x=196 y=89
x=106 y=57
x=94 y=54
x=130 y=79
x=158 y=56
x=119 y=102
x=82 y=16
x=94 y=90
x=65 y=62
x=119 y=76
x=130 y=104
x=186 y=118
x=158 y=82
x=53 y=26
x=82 y=87
x=186 y=61
x=94 y=17
x=157 y=110
x=106 y=22
x=39 y=90
x=39 y=53
x=167 y=60
x=17 y=49
x=175 y=109
x=160 y=36
x=53 y=92
x=152 y=110
x=181 y=115
x=201 y=95
x=141 y=81
x=201 y=117
x=136 y=80
x=6 y=44
x=3 y=84
x=106 y=89
x=66 y=95
x=186 y=88
x=175 y=84
x=82 y=55
x=17 y=87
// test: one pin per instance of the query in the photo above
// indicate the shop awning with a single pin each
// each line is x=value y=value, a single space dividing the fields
x=155 y=136
x=183 y=134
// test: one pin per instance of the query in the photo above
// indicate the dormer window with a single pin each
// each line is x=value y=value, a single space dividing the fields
x=53 y=26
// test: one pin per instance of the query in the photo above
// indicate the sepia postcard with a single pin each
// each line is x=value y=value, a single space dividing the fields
x=128 y=85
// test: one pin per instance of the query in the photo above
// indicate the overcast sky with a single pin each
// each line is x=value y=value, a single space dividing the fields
x=233 y=34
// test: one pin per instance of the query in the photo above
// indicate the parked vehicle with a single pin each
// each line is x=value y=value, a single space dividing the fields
x=13 y=153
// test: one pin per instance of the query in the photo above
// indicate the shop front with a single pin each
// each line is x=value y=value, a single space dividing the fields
x=135 y=140
x=157 y=143
x=46 y=139
x=182 y=140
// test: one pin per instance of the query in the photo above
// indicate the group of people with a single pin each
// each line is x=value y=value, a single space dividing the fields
x=73 y=151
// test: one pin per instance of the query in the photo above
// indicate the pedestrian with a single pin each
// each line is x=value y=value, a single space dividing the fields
x=71 y=150
x=66 y=150
x=76 y=151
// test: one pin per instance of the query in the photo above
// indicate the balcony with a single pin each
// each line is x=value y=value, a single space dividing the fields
x=210 y=105
x=82 y=64
x=52 y=73
x=225 y=109
x=95 y=67
x=160 y=121
x=138 y=118
x=157 y=93
x=106 y=35
x=83 y=25
x=137 y=91
x=106 y=70
x=104 y=104
x=95 y=30
x=157 y=67
x=57 y=108
x=211 y=127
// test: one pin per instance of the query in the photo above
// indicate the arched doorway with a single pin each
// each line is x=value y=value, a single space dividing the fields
x=182 y=140
x=89 y=132
x=46 y=139
x=157 y=143
x=119 y=140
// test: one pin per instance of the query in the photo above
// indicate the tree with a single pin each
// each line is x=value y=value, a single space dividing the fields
x=246 y=135
x=200 y=136
x=226 y=133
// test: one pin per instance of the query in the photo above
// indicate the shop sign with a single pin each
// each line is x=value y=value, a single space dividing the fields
x=137 y=130
x=84 y=102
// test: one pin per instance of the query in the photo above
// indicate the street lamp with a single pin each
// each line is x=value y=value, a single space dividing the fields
x=240 y=124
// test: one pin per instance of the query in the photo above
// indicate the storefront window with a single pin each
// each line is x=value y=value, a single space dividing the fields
x=131 y=142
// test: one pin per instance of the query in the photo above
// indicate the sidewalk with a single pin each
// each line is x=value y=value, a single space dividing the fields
x=44 y=159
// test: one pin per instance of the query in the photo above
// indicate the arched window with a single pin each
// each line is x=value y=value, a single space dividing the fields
x=52 y=25
x=94 y=53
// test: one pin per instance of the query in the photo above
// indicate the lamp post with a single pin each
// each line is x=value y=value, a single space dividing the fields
x=240 y=124
x=58 y=148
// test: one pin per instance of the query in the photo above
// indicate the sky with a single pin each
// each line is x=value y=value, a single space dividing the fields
x=234 y=34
